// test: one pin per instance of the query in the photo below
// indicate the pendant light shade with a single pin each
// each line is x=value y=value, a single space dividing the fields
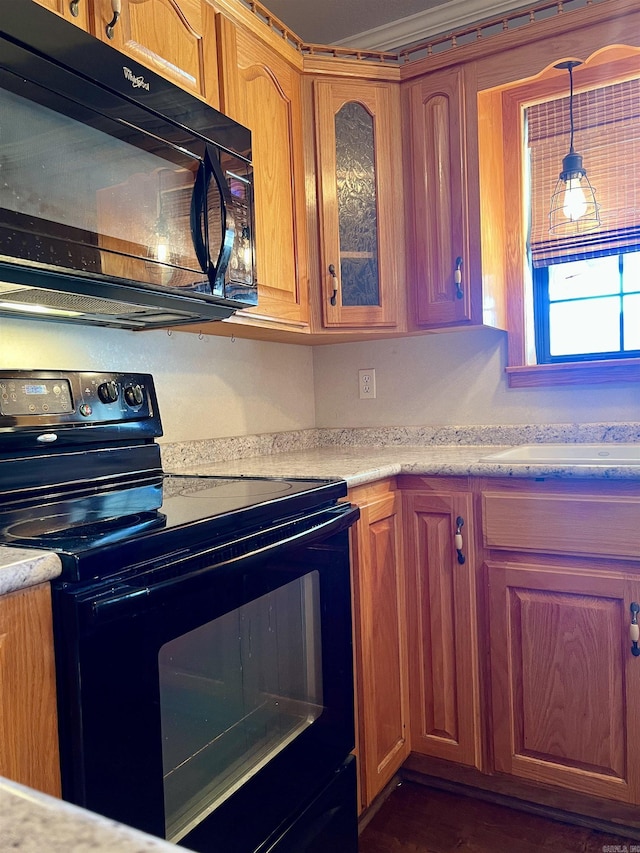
x=574 y=209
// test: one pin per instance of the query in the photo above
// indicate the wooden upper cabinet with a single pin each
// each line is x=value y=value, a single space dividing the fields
x=441 y=605
x=175 y=38
x=565 y=685
x=444 y=261
x=360 y=204
x=262 y=90
x=72 y=10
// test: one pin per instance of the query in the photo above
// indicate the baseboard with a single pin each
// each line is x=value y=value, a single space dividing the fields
x=550 y=802
x=379 y=801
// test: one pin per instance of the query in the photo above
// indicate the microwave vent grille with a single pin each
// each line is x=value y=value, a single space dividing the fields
x=67 y=301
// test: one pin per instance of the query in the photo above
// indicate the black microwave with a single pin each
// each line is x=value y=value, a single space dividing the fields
x=124 y=201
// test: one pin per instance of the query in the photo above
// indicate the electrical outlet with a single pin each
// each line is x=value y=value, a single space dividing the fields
x=367 y=383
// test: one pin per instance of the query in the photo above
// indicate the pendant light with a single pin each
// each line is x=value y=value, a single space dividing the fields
x=574 y=209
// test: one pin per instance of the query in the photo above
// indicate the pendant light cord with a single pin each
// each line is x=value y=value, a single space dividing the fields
x=571 y=151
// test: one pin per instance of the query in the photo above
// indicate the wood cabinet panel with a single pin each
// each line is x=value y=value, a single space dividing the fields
x=262 y=90
x=443 y=652
x=175 y=38
x=439 y=224
x=564 y=681
x=556 y=524
x=380 y=639
x=28 y=717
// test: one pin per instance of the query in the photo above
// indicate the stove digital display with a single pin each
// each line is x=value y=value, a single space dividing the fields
x=47 y=397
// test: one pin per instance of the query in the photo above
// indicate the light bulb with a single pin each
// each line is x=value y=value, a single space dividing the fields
x=575 y=202
x=162 y=253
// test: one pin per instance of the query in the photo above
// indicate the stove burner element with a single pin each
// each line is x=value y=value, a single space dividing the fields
x=92 y=525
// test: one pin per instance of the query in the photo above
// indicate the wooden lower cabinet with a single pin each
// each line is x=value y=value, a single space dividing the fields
x=379 y=638
x=28 y=716
x=565 y=685
x=441 y=608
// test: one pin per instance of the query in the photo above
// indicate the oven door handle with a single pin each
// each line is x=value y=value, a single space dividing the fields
x=119 y=598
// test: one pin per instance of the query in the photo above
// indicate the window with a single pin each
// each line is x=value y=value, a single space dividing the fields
x=586 y=285
x=588 y=309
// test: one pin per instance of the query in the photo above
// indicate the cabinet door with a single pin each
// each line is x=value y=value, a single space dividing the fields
x=359 y=165
x=443 y=654
x=262 y=91
x=565 y=685
x=380 y=641
x=28 y=717
x=72 y=10
x=175 y=38
x=441 y=267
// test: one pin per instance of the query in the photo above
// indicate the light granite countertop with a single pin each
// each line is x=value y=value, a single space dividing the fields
x=23 y=567
x=365 y=464
x=32 y=822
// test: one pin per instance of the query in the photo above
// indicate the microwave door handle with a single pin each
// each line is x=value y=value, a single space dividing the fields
x=229 y=226
x=199 y=212
x=210 y=168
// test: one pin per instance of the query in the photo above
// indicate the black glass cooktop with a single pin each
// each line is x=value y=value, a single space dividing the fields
x=101 y=533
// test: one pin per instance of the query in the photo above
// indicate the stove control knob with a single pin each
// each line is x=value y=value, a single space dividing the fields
x=133 y=395
x=108 y=392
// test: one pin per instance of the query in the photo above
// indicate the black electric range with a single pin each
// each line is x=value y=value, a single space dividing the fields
x=202 y=625
x=82 y=476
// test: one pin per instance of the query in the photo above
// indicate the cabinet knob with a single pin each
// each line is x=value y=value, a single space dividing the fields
x=116 y=6
x=73 y=7
x=459 y=544
x=457 y=277
x=336 y=284
x=634 y=629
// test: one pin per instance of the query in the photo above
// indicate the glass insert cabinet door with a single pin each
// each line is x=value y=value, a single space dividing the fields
x=360 y=202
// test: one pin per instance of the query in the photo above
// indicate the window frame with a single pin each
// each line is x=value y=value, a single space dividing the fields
x=504 y=109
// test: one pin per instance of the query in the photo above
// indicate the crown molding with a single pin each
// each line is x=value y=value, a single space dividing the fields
x=453 y=15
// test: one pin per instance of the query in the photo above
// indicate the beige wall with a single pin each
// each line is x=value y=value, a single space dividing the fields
x=454 y=378
x=217 y=387
x=206 y=388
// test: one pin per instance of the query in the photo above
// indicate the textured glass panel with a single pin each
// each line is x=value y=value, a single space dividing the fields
x=356 y=190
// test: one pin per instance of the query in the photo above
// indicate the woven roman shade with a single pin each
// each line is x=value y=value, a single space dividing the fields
x=607 y=135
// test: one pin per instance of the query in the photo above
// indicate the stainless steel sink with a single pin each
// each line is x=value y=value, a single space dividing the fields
x=572 y=454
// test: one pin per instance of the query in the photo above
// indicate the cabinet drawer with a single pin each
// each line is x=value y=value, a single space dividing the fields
x=557 y=524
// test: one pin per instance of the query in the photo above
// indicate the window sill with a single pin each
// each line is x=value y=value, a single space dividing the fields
x=574 y=373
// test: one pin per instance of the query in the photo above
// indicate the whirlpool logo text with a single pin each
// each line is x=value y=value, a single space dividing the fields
x=138 y=82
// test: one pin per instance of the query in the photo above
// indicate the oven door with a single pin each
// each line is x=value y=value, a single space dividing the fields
x=209 y=699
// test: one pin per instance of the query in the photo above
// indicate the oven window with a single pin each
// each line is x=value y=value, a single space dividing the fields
x=234 y=693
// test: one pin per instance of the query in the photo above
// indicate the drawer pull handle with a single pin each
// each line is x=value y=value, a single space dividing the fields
x=116 y=5
x=634 y=629
x=336 y=284
x=457 y=277
x=459 y=543
x=73 y=8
